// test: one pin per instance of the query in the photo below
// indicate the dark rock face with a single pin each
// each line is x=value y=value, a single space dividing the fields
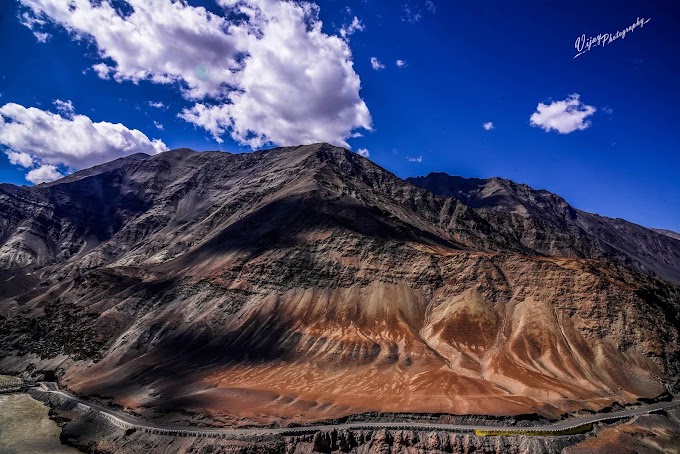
x=307 y=283
x=547 y=224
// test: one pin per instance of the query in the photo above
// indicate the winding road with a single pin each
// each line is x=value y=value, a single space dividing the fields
x=125 y=421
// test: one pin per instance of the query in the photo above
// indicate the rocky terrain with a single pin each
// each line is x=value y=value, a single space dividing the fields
x=649 y=434
x=669 y=233
x=563 y=230
x=307 y=283
x=89 y=432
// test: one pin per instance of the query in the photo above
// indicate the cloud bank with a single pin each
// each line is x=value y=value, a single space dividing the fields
x=263 y=72
x=45 y=140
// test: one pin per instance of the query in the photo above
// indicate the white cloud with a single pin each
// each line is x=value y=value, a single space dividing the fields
x=298 y=84
x=400 y=63
x=355 y=26
x=414 y=159
x=265 y=69
x=363 y=152
x=375 y=64
x=42 y=37
x=65 y=108
x=19 y=158
x=43 y=174
x=157 y=105
x=32 y=22
x=160 y=40
x=73 y=141
x=158 y=125
x=563 y=116
x=103 y=70
x=488 y=125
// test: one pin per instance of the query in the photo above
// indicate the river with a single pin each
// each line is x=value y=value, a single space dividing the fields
x=25 y=427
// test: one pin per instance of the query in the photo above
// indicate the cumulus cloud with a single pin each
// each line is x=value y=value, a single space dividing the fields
x=262 y=72
x=34 y=137
x=159 y=40
x=158 y=125
x=298 y=85
x=400 y=63
x=363 y=152
x=355 y=26
x=64 y=107
x=19 y=159
x=488 y=125
x=375 y=64
x=43 y=174
x=564 y=116
x=414 y=159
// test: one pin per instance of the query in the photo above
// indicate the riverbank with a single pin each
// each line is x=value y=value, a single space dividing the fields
x=26 y=428
x=86 y=427
x=88 y=430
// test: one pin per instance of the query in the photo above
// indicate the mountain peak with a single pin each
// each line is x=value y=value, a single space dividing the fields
x=98 y=169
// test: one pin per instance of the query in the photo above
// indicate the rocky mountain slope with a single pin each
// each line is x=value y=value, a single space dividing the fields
x=307 y=283
x=669 y=233
x=563 y=230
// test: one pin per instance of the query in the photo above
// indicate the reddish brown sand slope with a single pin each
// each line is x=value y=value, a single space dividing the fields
x=499 y=335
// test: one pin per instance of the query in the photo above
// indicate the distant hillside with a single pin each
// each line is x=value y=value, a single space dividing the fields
x=547 y=224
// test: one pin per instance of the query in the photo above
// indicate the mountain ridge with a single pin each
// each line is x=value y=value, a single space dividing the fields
x=648 y=252
x=307 y=282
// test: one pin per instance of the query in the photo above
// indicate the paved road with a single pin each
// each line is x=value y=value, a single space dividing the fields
x=126 y=421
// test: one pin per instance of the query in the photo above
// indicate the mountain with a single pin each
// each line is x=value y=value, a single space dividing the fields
x=306 y=283
x=565 y=231
x=669 y=233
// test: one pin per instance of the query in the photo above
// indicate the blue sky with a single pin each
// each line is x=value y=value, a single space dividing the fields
x=614 y=150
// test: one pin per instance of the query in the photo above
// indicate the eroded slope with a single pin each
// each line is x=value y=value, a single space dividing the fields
x=308 y=283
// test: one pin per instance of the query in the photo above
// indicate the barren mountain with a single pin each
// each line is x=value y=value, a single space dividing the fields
x=306 y=283
x=669 y=233
x=546 y=223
